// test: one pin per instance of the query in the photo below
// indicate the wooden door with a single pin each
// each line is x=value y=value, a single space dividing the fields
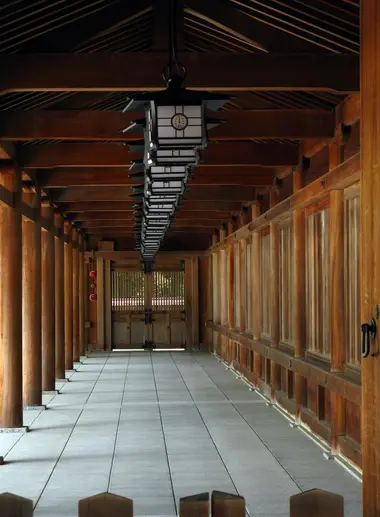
x=127 y=299
x=168 y=306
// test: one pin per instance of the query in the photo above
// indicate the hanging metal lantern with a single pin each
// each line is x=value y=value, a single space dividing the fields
x=172 y=172
x=175 y=128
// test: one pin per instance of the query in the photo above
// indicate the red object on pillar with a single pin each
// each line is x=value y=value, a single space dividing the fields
x=92 y=286
x=92 y=274
x=92 y=297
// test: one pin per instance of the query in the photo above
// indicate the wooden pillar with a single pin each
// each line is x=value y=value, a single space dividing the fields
x=223 y=281
x=11 y=304
x=338 y=342
x=59 y=300
x=274 y=294
x=86 y=305
x=68 y=296
x=75 y=280
x=299 y=263
x=195 y=299
x=48 y=312
x=370 y=248
x=243 y=283
x=231 y=279
x=192 y=301
x=100 y=302
x=148 y=300
x=274 y=278
x=82 y=299
x=299 y=288
x=337 y=332
x=31 y=308
x=256 y=292
x=107 y=305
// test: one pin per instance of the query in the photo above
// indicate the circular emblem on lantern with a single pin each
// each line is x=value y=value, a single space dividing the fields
x=179 y=121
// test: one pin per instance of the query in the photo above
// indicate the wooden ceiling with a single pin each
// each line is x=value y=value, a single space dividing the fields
x=67 y=67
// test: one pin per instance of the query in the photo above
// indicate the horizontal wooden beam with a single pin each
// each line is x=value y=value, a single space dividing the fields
x=134 y=71
x=79 y=207
x=99 y=176
x=339 y=178
x=333 y=381
x=107 y=125
x=176 y=223
x=118 y=155
x=196 y=193
x=106 y=217
x=244 y=153
x=128 y=231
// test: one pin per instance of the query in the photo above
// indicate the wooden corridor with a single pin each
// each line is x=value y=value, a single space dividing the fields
x=158 y=427
x=267 y=237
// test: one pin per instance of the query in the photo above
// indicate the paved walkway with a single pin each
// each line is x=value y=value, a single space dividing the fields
x=156 y=427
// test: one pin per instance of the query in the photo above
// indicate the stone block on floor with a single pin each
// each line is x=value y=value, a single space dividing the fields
x=12 y=505
x=104 y=505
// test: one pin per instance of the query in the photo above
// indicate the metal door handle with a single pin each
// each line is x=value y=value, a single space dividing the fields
x=368 y=332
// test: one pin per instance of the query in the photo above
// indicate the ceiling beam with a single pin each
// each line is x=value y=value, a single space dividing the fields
x=106 y=125
x=139 y=71
x=117 y=155
x=129 y=230
x=94 y=218
x=79 y=207
x=243 y=153
x=195 y=193
x=99 y=176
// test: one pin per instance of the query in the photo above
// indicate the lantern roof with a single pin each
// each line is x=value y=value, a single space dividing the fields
x=174 y=95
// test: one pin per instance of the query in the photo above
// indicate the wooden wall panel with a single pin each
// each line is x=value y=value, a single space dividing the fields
x=318 y=283
x=352 y=279
x=353 y=424
x=286 y=284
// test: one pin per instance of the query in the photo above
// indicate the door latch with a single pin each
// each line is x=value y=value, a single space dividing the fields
x=368 y=333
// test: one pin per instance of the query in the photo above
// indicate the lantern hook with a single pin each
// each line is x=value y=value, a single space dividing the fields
x=174 y=73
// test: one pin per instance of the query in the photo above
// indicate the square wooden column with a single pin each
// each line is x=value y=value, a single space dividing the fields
x=82 y=298
x=31 y=306
x=68 y=295
x=370 y=249
x=59 y=299
x=256 y=292
x=243 y=283
x=48 y=304
x=299 y=287
x=75 y=248
x=223 y=281
x=231 y=279
x=274 y=294
x=100 y=291
x=11 y=304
